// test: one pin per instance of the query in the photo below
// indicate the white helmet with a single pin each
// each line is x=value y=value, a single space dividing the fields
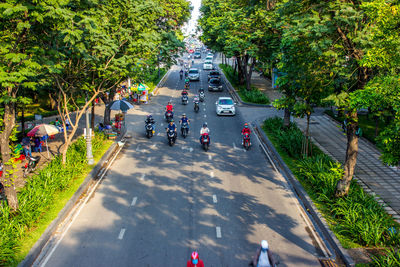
x=264 y=244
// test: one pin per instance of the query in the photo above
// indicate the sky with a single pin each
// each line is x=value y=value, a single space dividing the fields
x=195 y=16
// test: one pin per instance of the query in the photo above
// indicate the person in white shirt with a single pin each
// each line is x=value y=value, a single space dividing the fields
x=263 y=257
x=204 y=130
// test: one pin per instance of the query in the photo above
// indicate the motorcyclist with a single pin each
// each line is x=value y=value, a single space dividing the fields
x=150 y=120
x=195 y=260
x=246 y=130
x=196 y=99
x=181 y=73
x=184 y=92
x=172 y=126
x=185 y=119
x=204 y=130
x=169 y=108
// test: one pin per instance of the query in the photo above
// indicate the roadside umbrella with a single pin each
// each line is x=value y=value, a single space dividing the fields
x=43 y=130
x=120 y=105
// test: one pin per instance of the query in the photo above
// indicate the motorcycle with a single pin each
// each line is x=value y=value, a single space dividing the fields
x=202 y=96
x=185 y=99
x=149 y=130
x=184 y=129
x=187 y=85
x=171 y=137
x=205 y=141
x=169 y=116
x=246 y=141
x=31 y=165
x=196 y=106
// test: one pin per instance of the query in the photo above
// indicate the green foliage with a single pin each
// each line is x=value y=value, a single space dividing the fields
x=357 y=218
x=252 y=96
x=390 y=259
x=38 y=195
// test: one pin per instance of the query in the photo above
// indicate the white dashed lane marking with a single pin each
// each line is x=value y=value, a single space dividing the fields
x=212 y=174
x=215 y=199
x=121 y=234
x=143 y=175
x=218 y=231
x=133 y=203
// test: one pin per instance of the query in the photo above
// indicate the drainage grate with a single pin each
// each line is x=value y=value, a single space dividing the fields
x=328 y=263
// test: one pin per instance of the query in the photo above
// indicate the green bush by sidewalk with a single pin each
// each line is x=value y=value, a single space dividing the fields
x=37 y=197
x=357 y=219
x=254 y=96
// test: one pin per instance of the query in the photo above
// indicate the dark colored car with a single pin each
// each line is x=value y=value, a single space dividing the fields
x=215 y=84
x=197 y=55
x=214 y=74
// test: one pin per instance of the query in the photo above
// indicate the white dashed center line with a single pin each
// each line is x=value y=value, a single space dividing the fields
x=205 y=116
x=148 y=159
x=209 y=157
x=212 y=174
x=133 y=203
x=138 y=148
x=218 y=231
x=215 y=199
x=143 y=175
x=121 y=234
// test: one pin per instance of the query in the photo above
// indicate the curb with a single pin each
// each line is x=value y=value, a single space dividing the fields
x=161 y=82
x=45 y=237
x=306 y=201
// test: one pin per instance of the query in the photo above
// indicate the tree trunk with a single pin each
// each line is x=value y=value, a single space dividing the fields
x=376 y=125
x=249 y=74
x=53 y=102
x=307 y=143
x=92 y=118
x=7 y=178
x=343 y=185
x=23 y=120
x=286 y=117
x=235 y=67
x=240 y=63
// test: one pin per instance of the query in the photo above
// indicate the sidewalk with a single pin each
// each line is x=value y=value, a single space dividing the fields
x=375 y=177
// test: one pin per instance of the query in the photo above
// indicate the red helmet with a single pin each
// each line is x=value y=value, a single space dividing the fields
x=246 y=125
x=195 y=255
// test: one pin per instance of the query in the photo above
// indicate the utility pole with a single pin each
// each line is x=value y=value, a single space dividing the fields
x=89 y=153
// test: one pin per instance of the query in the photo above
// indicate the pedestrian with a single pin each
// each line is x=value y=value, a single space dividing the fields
x=263 y=256
x=27 y=150
x=67 y=124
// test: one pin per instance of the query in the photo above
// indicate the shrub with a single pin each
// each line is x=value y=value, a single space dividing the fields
x=38 y=194
x=391 y=259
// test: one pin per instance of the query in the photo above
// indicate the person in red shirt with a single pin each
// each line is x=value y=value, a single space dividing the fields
x=169 y=108
x=195 y=261
x=246 y=130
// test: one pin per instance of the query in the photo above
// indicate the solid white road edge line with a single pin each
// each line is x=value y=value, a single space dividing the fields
x=218 y=231
x=80 y=209
x=133 y=203
x=121 y=234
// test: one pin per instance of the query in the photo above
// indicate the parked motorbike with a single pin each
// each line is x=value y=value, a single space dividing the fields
x=31 y=165
x=202 y=96
x=205 y=141
x=169 y=116
x=171 y=137
x=196 y=106
x=246 y=141
x=149 y=130
x=185 y=100
x=184 y=129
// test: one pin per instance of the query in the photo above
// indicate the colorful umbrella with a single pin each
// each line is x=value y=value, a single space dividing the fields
x=43 y=130
x=120 y=105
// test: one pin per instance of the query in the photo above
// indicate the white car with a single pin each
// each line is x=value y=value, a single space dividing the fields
x=194 y=74
x=207 y=65
x=210 y=55
x=209 y=58
x=225 y=106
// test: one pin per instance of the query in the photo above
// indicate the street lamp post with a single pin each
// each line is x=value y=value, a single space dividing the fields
x=89 y=153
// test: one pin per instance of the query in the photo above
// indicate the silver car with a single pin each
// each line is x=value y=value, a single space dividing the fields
x=225 y=106
x=194 y=74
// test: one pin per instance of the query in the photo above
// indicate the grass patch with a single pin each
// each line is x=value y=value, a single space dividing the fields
x=153 y=80
x=357 y=219
x=44 y=195
x=253 y=96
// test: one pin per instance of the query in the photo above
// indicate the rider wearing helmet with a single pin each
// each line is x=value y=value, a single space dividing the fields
x=196 y=99
x=246 y=130
x=169 y=108
x=150 y=120
x=204 y=130
x=184 y=119
x=171 y=126
x=184 y=92
x=263 y=257
x=195 y=260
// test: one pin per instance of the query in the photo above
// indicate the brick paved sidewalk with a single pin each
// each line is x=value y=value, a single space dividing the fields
x=372 y=174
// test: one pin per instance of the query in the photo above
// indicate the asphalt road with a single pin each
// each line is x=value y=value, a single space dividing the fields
x=158 y=203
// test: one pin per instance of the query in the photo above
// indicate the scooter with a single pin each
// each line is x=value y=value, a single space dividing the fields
x=171 y=137
x=149 y=130
x=184 y=129
x=246 y=141
x=185 y=100
x=169 y=116
x=196 y=106
x=31 y=165
x=202 y=96
x=205 y=141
